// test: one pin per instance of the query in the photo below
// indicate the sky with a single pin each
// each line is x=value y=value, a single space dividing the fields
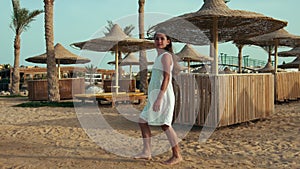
x=80 y=20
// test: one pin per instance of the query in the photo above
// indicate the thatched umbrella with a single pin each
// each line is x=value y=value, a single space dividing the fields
x=274 y=39
x=293 y=52
x=116 y=40
x=62 y=56
x=227 y=70
x=130 y=60
x=203 y=69
x=267 y=69
x=294 y=64
x=219 y=24
x=189 y=54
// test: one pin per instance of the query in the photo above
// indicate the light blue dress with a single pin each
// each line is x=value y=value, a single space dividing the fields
x=165 y=115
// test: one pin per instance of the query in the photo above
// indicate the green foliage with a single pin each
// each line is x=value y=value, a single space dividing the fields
x=7 y=66
x=45 y=104
x=127 y=30
x=13 y=96
x=22 y=17
x=5 y=80
x=90 y=69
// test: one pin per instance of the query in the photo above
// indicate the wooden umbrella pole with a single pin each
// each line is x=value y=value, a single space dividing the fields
x=240 y=47
x=275 y=67
x=130 y=71
x=58 y=63
x=215 y=70
x=214 y=32
x=276 y=56
x=117 y=68
x=189 y=68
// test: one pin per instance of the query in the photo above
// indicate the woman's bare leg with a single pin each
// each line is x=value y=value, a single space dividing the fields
x=146 y=134
x=172 y=137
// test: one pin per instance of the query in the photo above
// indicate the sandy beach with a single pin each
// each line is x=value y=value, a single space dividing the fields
x=52 y=137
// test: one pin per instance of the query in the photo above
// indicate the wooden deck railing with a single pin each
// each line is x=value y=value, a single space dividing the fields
x=237 y=98
x=287 y=86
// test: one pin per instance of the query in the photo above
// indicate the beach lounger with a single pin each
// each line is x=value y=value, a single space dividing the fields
x=113 y=97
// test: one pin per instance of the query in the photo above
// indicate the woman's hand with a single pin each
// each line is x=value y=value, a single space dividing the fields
x=156 y=105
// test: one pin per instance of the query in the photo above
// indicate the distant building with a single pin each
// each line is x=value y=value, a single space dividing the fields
x=38 y=73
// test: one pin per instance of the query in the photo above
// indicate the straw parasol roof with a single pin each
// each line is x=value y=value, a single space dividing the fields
x=232 y=24
x=283 y=36
x=62 y=56
x=293 y=52
x=220 y=24
x=277 y=38
x=294 y=64
x=116 y=40
x=203 y=69
x=227 y=70
x=267 y=69
x=189 y=54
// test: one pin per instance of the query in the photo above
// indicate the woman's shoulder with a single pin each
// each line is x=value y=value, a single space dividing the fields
x=167 y=58
x=166 y=55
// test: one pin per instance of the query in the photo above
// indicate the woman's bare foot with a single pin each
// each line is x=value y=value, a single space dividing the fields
x=173 y=160
x=144 y=156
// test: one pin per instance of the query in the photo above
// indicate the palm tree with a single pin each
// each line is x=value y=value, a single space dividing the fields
x=91 y=70
x=53 y=85
x=21 y=19
x=143 y=59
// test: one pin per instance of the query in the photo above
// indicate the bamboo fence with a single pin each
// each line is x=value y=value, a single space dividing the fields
x=222 y=100
x=287 y=86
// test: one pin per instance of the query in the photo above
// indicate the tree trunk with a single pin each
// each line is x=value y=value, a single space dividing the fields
x=240 y=57
x=53 y=85
x=15 y=88
x=143 y=57
x=270 y=54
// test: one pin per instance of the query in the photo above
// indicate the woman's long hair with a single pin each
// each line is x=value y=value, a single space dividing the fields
x=169 y=48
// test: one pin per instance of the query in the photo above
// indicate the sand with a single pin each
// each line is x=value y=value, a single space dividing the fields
x=52 y=137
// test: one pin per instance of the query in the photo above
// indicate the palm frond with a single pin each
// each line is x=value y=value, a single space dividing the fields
x=128 y=30
x=91 y=69
x=31 y=17
x=22 y=17
x=16 y=6
x=108 y=27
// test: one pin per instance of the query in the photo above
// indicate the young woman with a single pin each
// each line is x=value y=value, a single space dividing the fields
x=161 y=99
